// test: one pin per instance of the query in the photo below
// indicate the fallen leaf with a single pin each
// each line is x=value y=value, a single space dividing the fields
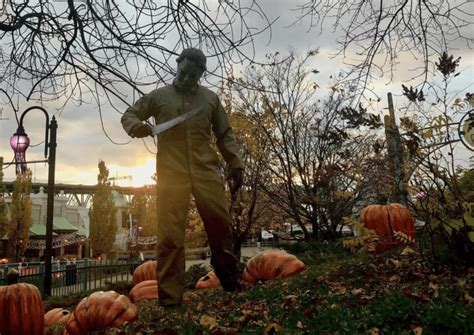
x=468 y=298
x=407 y=251
x=395 y=262
x=375 y=331
x=417 y=330
x=358 y=291
x=289 y=301
x=368 y=296
x=207 y=321
x=272 y=328
x=394 y=279
x=299 y=324
x=337 y=288
x=416 y=296
x=200 y=306
x=434 y=288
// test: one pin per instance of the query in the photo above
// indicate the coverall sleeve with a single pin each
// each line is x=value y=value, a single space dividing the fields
x=140 y=111
x=226 y=142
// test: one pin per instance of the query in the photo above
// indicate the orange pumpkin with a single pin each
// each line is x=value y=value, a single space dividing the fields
x=145 y=271
x=393 y=224
x=55 y=316
x=99 y=311
x=145 y=290
x=21 y=310
x=271 y=264
x=208 y=281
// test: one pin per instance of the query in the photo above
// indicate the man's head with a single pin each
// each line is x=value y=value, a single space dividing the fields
x=191 y=66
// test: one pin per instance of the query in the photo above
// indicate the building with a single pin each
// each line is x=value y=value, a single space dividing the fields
x=70 y=227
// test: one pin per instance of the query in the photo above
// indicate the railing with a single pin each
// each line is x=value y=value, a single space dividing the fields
x=72 y=277
x=267 y=243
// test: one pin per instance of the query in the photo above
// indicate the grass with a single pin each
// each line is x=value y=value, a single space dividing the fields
x=339 y=293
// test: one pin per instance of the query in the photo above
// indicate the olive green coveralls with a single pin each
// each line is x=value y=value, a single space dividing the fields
x=186 y=164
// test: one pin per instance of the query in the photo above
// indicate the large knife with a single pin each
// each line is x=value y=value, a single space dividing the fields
x=159 y=128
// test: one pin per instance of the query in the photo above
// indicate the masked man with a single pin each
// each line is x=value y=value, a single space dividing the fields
x=186 y=164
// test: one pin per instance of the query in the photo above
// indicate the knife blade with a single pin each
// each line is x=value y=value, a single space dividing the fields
x=159 y=128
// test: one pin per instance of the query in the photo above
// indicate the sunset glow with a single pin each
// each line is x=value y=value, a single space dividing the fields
x=141 y=173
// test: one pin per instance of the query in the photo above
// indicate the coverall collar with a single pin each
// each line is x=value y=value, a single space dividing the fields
x=192 y=91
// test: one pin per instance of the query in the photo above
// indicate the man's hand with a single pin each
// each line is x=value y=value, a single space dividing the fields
x=141 y=131
x=235 y=179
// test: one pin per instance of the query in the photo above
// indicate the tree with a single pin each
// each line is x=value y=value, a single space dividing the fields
x=376 y=34
x=143 y=209
x=430 y=142
x=96 y=50
x=3 y=208
x=20 y=215
x=251 y=209
x=102 y=215
x=314 y=149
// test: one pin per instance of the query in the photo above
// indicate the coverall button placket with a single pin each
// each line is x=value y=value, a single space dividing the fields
x=188 y=135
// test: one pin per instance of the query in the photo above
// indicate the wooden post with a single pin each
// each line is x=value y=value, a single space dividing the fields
x=395 y=154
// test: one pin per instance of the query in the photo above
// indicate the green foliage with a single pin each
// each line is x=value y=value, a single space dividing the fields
x=3 y=208
x=102 y=214
x=143 y=209
x=20 y=218
x=466 y=185
x=193 y=274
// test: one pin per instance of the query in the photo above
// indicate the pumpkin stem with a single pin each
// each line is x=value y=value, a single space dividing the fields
x=12 y=276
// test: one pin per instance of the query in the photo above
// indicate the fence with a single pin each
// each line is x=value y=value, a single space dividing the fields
x=72 y=277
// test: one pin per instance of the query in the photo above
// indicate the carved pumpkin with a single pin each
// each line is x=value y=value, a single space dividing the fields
x=271 y=264
x=393 y=224
x=208 y=281
x=21 y=310
x=99 y=311
x=55 y=316
x=145 y=271
x=145 y=290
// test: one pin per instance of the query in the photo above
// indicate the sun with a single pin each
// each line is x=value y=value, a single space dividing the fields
x=141 y=173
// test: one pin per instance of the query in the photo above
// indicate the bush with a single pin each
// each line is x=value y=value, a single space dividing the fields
x=193 y=274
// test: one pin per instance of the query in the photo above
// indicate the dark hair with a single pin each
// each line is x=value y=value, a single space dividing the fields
x=194 y=55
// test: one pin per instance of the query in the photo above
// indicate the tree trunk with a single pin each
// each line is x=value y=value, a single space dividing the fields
x=238 y=247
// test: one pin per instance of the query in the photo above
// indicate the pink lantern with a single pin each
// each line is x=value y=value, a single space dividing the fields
x=19 y=143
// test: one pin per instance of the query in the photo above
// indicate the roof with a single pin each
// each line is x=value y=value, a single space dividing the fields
x=81 y=231
x=38 y=230
x=62 y=224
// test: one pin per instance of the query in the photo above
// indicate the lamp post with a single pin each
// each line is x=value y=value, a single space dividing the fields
x=19 y=143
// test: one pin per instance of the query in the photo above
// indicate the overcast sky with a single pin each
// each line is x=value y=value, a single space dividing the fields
x=82 y=143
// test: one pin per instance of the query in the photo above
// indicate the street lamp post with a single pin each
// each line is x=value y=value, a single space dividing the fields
x=19 y=143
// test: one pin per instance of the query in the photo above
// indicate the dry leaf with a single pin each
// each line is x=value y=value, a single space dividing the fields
x=299 y=324
x=272 y=328
x=375 y=331
x=394 y=279
x=358 y=291
x=207 y=321
x=395 y=262
x=200 y=306
x=338 y=289
x=435 y=289
x=417 y=330
x=289 y=301
x=407 y=251
x=468 y=298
